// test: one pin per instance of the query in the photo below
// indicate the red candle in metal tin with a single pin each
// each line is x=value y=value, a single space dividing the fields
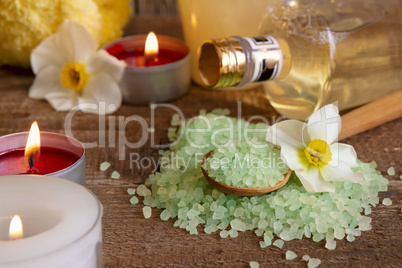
x=148 y=56
x=49 y=160
x=34 y=159
x=135 y=58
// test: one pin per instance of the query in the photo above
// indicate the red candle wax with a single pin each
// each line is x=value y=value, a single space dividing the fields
x=50 y=160
x=136 y=57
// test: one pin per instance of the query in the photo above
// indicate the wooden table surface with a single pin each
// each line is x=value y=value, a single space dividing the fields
x=130 y=240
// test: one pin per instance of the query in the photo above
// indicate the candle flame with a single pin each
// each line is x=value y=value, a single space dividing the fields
x=151 y=46
x=16 y=230
x=33 y=142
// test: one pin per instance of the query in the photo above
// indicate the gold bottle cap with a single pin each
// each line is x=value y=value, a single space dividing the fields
x=221 y=62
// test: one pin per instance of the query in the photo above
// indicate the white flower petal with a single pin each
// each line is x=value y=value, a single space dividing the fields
x=342 y=172
x=325 y=124
x=62 y=100
x=343 y=152
x=46 y=81
x=102 y=88
x=313 y=181
x=71 y=43
x=104 y=62
x=340 y=167
x=47 y=85
x=76 y=38
x=292 y=157
x=289 y=133
x=45 y=54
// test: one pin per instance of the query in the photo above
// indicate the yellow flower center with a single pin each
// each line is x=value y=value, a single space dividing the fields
x=74 y=76
x=318 y=153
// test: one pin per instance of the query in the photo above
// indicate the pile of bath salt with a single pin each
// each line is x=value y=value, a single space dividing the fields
x=247 y=164
x=183 y=194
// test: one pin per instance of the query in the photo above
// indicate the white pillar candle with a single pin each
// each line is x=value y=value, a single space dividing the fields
x=61 y=223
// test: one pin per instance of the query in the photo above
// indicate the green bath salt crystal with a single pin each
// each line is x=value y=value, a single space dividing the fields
x=131 y=191
x=165 y=215
x=350 y=237
x=278 y=243
x=313 y=262
x=180 y=190
x=248 y=164
x=290 y=255
x=147 y=211
x=115 y=175
x=386 y=201
x=176 y=121
x=391 y=171
x=254 y=264
x=104 y=166
x=134 y=200
x=330 y=244
x=224 y=233
x=142 y=190
x=306 y=257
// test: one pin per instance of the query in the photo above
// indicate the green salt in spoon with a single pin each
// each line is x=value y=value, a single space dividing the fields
x=359 y=120
x=239 y=190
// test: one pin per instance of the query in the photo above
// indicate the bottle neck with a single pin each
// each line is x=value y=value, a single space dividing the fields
x=235 y=61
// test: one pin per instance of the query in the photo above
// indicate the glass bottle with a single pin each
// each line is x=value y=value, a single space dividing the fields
x=317 y=52
x=208 y=19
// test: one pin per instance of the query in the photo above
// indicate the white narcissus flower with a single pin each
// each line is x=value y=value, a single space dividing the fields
x=71 y=72
x=310 y=151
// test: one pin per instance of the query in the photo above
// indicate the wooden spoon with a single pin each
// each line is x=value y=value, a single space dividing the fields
x=239 y=190
x=359 y=120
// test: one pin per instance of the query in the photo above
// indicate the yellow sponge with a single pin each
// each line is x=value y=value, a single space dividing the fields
x=25 y=23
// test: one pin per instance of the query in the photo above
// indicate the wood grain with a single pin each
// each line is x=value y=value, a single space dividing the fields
x=129 y=240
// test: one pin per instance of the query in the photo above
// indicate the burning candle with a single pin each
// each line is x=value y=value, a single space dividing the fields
x=33 y=145
x=151 y=50
x=146 y=56
x=16 y=230
x=55 y=155
x=58 y=223
x=157 y=67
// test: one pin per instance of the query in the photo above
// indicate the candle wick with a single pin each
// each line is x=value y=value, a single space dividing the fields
x=147 y=60
x=30 y=161
x=150 y=58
